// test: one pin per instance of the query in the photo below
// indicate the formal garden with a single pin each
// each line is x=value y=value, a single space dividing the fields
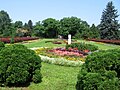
x=60 y=71
x=66 y=54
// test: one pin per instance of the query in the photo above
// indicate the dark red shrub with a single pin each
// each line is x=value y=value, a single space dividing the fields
x=17 y=39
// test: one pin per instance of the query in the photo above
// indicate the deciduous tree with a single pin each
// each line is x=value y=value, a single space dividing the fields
x=51 y=27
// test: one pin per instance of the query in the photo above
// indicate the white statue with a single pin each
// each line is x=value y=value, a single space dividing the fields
x=69 y=39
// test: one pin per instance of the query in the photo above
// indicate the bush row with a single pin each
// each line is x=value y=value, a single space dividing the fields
x=101 y=71
x=82 y=46
x=19 y=66
x=17 y=39
x=106 y=41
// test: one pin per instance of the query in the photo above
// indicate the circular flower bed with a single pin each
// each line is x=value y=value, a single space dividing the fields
x=60 y=56
x=71 y=54
x=74 y=53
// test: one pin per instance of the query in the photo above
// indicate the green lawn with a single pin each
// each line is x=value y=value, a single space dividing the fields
x=54 y=78
x=57 y=77
x=41 y=43
x=102 y=46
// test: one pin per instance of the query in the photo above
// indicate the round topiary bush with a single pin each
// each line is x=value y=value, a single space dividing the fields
x=19 y=66
x=101 y=71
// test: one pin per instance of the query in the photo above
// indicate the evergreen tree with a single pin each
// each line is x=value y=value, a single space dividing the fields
x=5 y=23
x=30 y=27
x=109 y=27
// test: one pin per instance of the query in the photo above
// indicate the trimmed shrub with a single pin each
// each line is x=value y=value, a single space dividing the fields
x=101 y=71
x=82 y=46
x=19 y=66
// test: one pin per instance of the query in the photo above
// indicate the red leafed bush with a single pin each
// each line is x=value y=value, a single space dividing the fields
x=56 y=42
x=17 y=39
x=106 y=41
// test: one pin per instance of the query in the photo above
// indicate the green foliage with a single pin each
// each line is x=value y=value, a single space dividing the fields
x=37 y=76
x=96 y=81
x=19 y=66
x=13 y=33
x=2 y=45
x=95 y=32
x=39 y=30
x=104 y=60
x=69 y=25
x=109 y=26
x=18 y=24
x=26 y=27
x=51 y=27
x=82 y=46
x=30 y=27
x=86 y=33
x=101 y=71
x=5 y=23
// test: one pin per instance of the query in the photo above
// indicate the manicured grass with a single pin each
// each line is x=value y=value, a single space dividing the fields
x=54 y=78
x=101 y=46
x=43 y=43
x=57 y=78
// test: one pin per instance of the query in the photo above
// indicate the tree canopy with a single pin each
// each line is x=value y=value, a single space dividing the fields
x=69 y=25
x=51 y=27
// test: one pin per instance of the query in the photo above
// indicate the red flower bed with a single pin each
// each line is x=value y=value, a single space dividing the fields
x=70 y=52
x=106 y=41
x=17 y=39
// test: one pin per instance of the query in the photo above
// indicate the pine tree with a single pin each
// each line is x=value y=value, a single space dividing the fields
x=30 y=27
x=109 y=26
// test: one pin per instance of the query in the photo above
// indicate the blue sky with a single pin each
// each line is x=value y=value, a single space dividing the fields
x=38 y=10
